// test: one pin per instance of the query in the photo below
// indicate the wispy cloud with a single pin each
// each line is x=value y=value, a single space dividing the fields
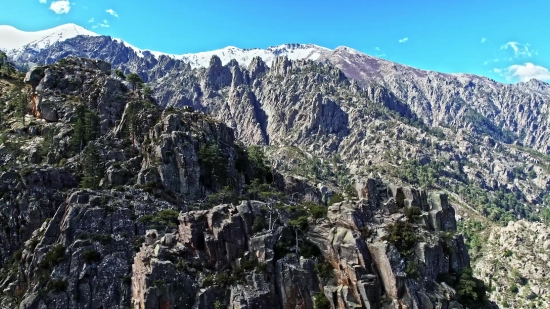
x=520 y=50
x=104 y=24
x=377 y=48
x=42 y=1
x=91 y=20
x=483 y=40
x=403 y=40
x=60 y=6
x=112 y=12
x=524 y=73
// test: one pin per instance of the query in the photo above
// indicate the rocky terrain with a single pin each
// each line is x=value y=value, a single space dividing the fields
x=486 y=135
x=110 y=201
x=171 y=176
x=513 y=260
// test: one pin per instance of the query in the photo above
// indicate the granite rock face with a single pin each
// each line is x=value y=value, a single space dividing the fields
x=365 y=271
x=372 y=113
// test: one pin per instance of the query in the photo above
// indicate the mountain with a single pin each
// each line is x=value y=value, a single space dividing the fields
x=338 y=125
x=109 y=200
x=13 y=40
x=512 y=113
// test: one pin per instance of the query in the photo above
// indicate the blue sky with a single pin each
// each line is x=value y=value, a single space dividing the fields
x=506 y=40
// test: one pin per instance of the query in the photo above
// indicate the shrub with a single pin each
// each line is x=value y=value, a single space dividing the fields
x=470 y=290
x=321 y=301
x=213 y=164
x=412 y=270
x=412 y=213
x=309 y=250
x=402 y=236
x=53 y=257
x=324 y=270
x=317 y=211
x=336 y=198
x=162 y=219
x=91 y=256
x=259 y=224
x=57 y=285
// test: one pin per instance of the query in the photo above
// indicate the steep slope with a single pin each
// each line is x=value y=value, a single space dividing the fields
x=508 y=112
x=162 y=208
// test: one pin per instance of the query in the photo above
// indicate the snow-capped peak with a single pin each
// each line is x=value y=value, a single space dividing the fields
x=245 y=56
x=14 y=39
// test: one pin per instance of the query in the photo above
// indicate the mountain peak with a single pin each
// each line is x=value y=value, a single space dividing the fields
x=13 y=38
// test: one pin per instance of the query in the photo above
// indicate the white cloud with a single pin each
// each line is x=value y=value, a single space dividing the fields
x=110 y=11
x=403 y=40
x=60 y=6
x=520 y=50
x=524 y=73
x=104 y=24
x=377 y=48
x=483 y=40
x=42 y=1
x=91 y=20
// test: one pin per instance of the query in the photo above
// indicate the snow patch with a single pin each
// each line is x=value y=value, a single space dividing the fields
x=12 y=39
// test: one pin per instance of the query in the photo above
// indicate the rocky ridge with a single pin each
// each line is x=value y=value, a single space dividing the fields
x=174 y=212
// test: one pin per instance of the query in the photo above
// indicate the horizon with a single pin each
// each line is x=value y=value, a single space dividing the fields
x=432 y=36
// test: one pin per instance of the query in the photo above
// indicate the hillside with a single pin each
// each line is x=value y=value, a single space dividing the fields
x=111 y=201
x=367 y=140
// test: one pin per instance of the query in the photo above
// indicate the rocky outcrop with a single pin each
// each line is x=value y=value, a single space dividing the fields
x=364 y=270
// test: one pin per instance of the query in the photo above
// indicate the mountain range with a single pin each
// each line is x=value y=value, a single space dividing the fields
x=332 y=123
x=514 y=112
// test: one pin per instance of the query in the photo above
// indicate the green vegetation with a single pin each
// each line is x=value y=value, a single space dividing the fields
x=53 y=257
x=498 y=205
x=86 y=128
x=91 y=256
x=162 y=219
x=103 y=239
x=134 y=80
x=119 y=74
x=6 y=67
x=213 y=165
x=254 y=160
x=412 y=269
x=259 y=224
x=92 y=168
x=320 y=301
x=470 y=291
x=425 y=175
x=57 y=285
x=402 y=235
x=324 y=270
x=484 y=126
x=236 y=275
x=472 y=230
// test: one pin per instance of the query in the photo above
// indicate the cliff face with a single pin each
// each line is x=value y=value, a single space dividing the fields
x=118 y=203
x=85 y=255
x=380 y=118
x=509 y=112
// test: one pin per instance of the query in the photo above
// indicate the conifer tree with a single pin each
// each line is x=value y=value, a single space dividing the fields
x=92 y=167
x=134 y=80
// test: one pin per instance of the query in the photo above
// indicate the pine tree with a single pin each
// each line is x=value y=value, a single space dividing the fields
x=91 y=124
x=85 y=128
x=92 y=167
x=79 y=129
x=21 y=105
x=132 y=126
x=6 y=66
x=134 y=80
